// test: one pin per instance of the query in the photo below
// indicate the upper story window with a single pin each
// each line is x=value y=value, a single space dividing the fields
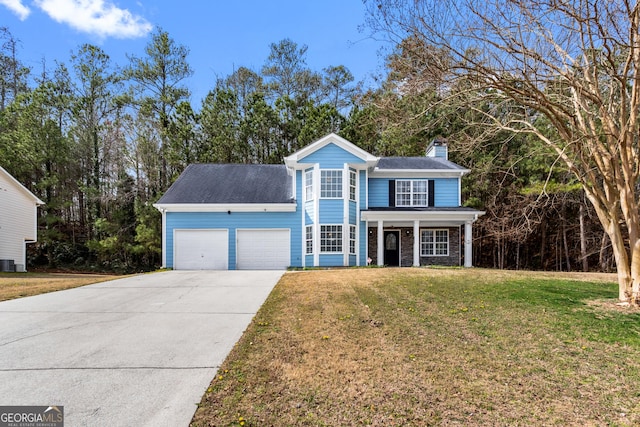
x=353 y=178
x=331 y=184
x=412 y=193
x=308 y=185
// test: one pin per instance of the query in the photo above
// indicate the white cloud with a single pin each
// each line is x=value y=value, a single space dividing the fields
x=98 y=17
x=17 y=7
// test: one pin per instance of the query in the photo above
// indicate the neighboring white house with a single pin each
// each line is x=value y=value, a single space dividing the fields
x=18 y=222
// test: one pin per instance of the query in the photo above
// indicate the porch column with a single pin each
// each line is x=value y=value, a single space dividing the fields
x=380 y=242
x=416 y=243
x=468 y=244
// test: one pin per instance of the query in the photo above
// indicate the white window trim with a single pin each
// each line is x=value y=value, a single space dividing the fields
x=341 y=239
x=341 y=187
x=307 y=240
x=353 y=174
x=434 y=243
x=412 y=194
x=353 y=239
x=308 y=187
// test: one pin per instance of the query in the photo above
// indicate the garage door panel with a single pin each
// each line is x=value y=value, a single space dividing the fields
x=201 y=249
x=263 y=249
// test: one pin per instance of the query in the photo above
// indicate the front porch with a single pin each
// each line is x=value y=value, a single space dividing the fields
x=419 y=237
x=399 y=248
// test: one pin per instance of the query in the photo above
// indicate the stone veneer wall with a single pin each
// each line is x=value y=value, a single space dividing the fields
x=406 y=247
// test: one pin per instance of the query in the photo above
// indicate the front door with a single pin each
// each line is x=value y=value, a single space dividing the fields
x=392 y=248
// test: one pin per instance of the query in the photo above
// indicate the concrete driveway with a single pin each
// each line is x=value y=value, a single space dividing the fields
x=138 y=351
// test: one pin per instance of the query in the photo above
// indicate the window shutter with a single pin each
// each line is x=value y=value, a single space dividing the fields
x=431 y=193
x=392 y=193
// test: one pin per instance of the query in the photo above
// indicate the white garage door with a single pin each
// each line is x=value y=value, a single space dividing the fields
x=201 y=250
x=263 y=249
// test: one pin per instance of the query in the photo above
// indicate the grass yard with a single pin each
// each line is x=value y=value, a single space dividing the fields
x=419 y=347
x=17 y=285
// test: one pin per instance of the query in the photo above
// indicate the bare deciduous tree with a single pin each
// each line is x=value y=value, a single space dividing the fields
x=572 y=65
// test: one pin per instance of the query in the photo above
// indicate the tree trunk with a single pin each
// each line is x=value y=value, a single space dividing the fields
x=627 y=264
x=622 y=261
x=565 y=244
x=634 y=295
x=602 y=258
x=583 y=241
x=543 y=243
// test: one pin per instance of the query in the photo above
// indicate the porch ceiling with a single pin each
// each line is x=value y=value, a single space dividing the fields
x=423 y=224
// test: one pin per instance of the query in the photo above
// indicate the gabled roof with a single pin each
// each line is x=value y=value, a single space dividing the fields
x=230 y=184
x=332 y=138
x=417 y=167
x=417 y=163
x=21 y=187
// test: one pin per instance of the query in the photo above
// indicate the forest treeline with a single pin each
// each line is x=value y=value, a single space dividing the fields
x=100 y=142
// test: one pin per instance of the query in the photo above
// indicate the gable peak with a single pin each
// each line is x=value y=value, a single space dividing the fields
x=337 y=140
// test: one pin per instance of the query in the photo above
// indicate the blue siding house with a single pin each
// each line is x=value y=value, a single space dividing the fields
x=330 y=204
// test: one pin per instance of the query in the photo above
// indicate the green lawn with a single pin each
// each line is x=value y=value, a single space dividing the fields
x=414 y=347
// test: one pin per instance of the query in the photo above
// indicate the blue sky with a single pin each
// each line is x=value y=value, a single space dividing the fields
x=222 y=35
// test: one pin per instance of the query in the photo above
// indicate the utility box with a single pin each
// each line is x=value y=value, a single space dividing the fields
x=7 y=265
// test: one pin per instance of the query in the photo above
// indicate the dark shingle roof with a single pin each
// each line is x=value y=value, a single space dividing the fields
x=417 y=163
x=230 y=183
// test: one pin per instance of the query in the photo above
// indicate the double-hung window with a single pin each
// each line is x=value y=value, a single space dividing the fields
x=434 y=243
x=352 y=185
x=352 y=239
x=308 y=185
x=412 y=193
x=331 y=184
x=309 y=239
x=330 y=238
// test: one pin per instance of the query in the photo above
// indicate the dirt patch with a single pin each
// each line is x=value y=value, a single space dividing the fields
x=613 y=305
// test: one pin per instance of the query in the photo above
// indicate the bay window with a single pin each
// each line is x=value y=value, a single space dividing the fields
x=353 y=177
x=331 y=184
x=352 y=239
x=330 y=238
x=309 y=239
x=308 y=185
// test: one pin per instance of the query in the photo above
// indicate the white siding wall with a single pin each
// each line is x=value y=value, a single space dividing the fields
x=17 y=220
